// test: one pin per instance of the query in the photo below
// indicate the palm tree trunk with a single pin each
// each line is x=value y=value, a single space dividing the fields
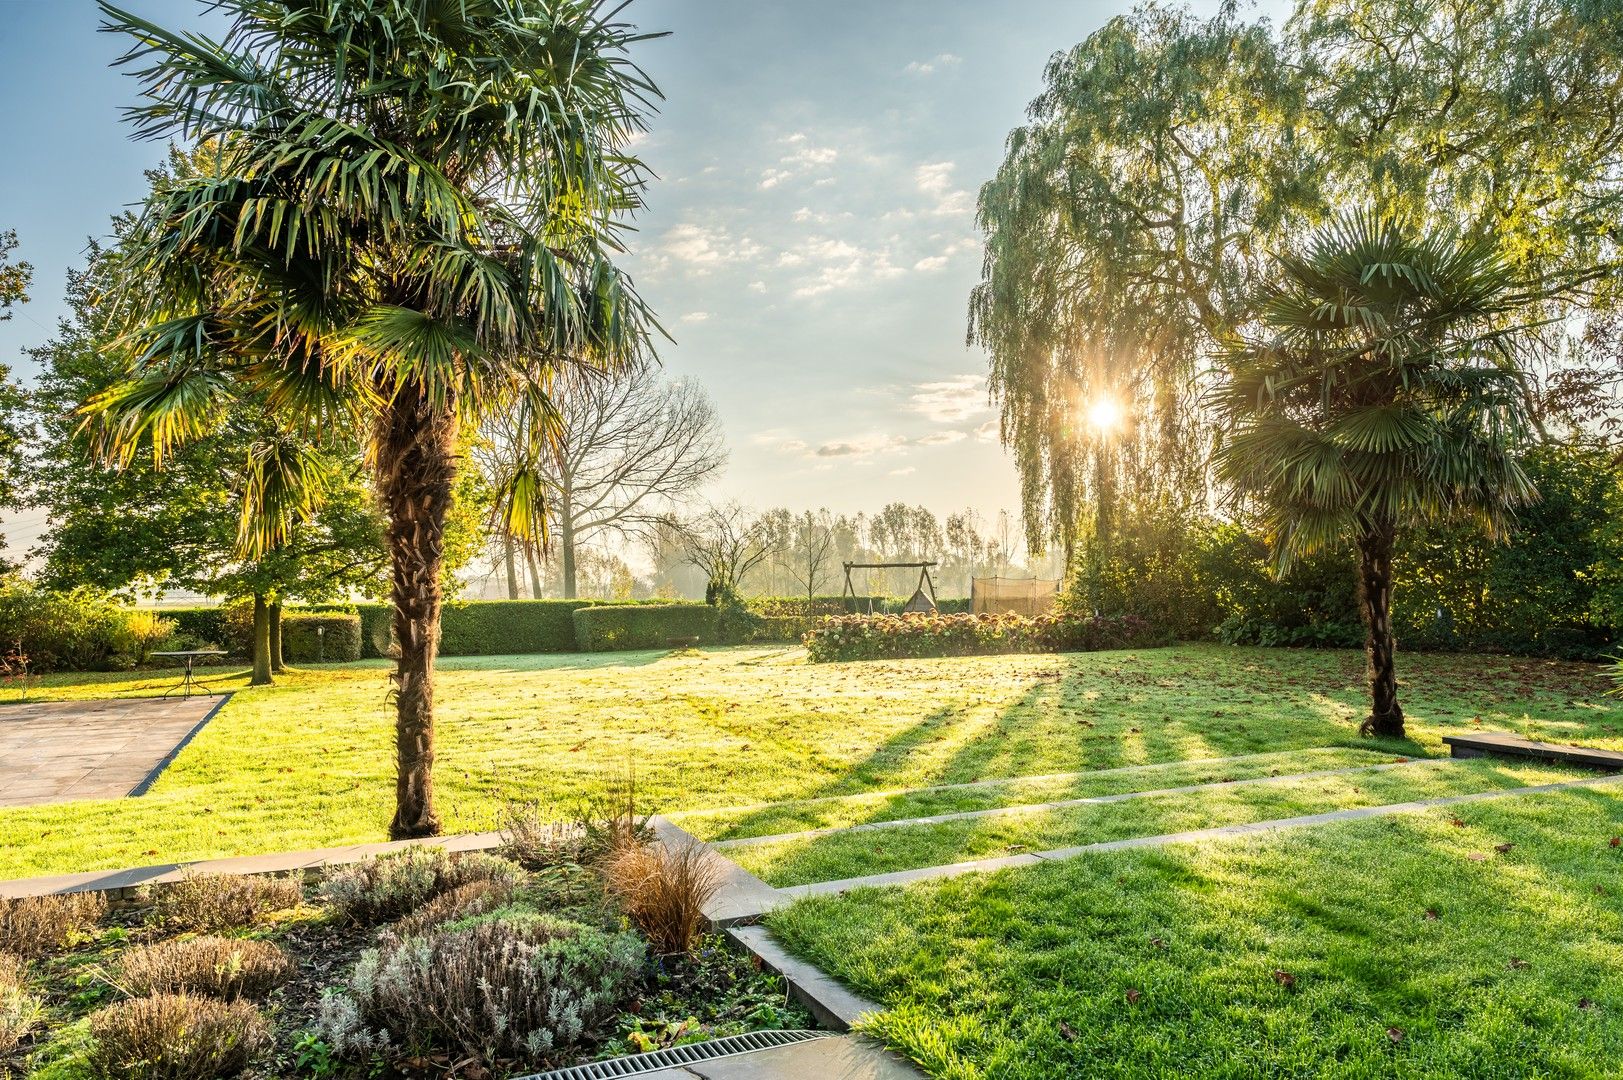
x=276 y=664
x=535 y=570
x=262 y=658
x=416 y=462
x=512 y=568
x=1380 y=644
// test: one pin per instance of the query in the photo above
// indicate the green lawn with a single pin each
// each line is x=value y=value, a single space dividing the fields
x=308 y=762
x=851 y=854
x=1400 y=947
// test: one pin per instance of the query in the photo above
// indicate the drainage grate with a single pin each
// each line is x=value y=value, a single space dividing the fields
x=677 y=1056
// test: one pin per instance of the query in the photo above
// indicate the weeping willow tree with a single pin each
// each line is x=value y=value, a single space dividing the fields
x=412 y=224
x=1126 y=227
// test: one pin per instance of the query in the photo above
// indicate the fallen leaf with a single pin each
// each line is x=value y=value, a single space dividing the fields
x=1517 y=963
x=1585 y=1003
x=1431 y=914
x=1158 y=943
x=1285 y=979
x=1616 y=841
x=1457 y=823
x=1502 y=848
x=1395 y=1034
x=1066 y=1032
x=1133 y=996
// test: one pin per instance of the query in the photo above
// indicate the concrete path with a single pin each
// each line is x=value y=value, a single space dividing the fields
x=58 y=751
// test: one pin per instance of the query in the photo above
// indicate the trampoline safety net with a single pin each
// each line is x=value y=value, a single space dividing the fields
x=1022 y=596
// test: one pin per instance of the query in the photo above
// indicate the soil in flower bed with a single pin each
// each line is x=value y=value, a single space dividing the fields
x=708 y=992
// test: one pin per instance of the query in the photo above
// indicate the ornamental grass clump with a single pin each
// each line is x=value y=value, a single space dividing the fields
x=390 y=886
x=213 y=902
x=512 y=986
x=19 y=1010
x=663 y=889
x=175 y=1037
x=35 y=925
x=224 y=968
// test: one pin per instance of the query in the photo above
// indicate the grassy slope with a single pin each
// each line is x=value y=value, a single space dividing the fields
x=308 y=762
x=1162 y=963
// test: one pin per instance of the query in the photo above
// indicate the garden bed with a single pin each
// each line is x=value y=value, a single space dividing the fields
x=416 y=964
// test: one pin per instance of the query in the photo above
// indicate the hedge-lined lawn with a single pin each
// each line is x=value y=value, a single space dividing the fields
x=1401 y=947
x=308 y=762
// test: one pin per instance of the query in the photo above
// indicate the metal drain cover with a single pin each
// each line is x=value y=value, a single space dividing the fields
x=677 y=1056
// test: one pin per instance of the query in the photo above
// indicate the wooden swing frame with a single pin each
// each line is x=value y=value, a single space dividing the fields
x=925 y=582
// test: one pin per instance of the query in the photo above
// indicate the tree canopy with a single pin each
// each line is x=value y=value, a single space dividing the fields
x=1167 y=153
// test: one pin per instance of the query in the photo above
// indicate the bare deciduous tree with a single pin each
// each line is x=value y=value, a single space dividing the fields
x=810 y=550
x=726 y=542
x=626 y=449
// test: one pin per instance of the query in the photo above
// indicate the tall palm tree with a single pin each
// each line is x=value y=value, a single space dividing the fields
x=411 y=223
x=1381 y=390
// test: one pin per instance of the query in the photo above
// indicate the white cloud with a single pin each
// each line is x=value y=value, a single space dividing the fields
x=935 y=180
x=988 y=432
x=864 y=447
x=903 y=472
x=936 y=63
x=758 y=286
x=950 y=401
x=930 y=262
x=696 y=317
x=803 y=157
x=704 y=248
x=941 y=438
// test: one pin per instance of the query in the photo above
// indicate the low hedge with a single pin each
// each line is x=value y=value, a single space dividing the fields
x=332 y=638
x=889 y=637
x=644 y=626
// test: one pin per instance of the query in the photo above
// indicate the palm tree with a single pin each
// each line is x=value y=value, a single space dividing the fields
x=1382 y=390
x=410 y=224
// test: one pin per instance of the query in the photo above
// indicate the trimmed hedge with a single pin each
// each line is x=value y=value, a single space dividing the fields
x=890 y=637
x=800 y=607
x=302 y=644
x=633 y=626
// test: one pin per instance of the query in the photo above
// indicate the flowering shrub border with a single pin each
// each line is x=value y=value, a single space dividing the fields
x=891 y=637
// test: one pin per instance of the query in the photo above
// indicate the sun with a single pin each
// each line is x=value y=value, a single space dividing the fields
x=1105 y=414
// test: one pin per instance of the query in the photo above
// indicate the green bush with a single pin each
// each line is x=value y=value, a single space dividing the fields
x=650 y=626
x=198 y=626
x=783 y=630
x=308 y=639
x=76 y=631
x=889 y=637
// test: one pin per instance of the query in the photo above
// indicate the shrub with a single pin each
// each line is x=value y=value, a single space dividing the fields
x=208 y=902
x=225 y=968
x=309 y=639
x=34 y=925
x=464 y=901
x=875 y=637
x=175 y=1037
x=508 y=985
x=535 y=841
x=663 y=890
x=815 y=607
x=19 y=1010
x=783 y=629
x=76 y=631
x=387 y=887
x=647 y=626
x=198 y=626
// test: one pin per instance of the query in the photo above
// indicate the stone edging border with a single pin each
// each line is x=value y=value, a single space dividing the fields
x=169 y=759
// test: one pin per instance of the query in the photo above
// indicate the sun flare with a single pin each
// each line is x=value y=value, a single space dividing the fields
x=1105 y=414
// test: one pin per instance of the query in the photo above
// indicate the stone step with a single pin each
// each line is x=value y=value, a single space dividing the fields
x=1509 y=744
x=1062 y=804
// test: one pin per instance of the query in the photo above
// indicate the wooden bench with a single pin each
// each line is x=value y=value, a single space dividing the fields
x=1504 y=744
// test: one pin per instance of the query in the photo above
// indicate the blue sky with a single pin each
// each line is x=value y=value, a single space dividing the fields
x=810 y=242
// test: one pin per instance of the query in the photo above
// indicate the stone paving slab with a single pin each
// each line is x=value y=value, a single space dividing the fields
x=60 y=751
x=1509 y=744
x=845 y=1057
x=1064 y=804
x=903 y=877
x=124 y=882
